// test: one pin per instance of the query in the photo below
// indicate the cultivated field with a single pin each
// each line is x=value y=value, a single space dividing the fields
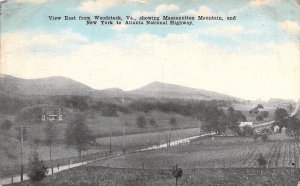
x=90 y=176
x=213 y=155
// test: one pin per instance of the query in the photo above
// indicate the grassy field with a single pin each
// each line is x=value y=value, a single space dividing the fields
x=90 y=176
x=147 y=138
x=10 y=150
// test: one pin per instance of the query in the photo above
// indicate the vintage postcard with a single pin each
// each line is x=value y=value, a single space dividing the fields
x=149 y=92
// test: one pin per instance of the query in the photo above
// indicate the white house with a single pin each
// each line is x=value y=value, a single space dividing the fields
x=276 y=128
x=52 y=114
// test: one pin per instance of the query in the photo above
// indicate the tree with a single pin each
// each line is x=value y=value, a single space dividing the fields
x=262 y=162
x=255 y=136
x=259 y=117
x=247 y=131
x=50 y=133
x=280 y=115
x=234 y=118
x=293 y=127
x=172 y=121
x=78 y=134
x=141 y=121
x=152 y=122
x=6 y=125
x=259 y=106
x=215 y=120
x=177 y=173
x=265 y=114
x=37 y=169
x=110 y=110
x=264 y=137
x=78 y=102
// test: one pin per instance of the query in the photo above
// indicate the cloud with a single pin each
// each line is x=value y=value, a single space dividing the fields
x=98 y=6
x=270 y=70
x=290 y=26
x=119 y=27
x=32 y=1
x=43 y=42
x=202 y=10
x=228 y=30
x=259 y=3
x=159 y=10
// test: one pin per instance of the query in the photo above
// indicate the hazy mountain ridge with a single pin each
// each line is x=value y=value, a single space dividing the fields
x=58 y=85
x=158 y=89
x=55 y=85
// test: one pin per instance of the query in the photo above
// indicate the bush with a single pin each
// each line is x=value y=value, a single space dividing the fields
x=141 y=121
x=152 y=122
x=259 y=117
x=255 y=136
x=247 y=131
x=110 y=111
x=265 y=114
x=37 y=169
x=266 y=131
x=6 y=125
x=264 y=137
x=262 y=162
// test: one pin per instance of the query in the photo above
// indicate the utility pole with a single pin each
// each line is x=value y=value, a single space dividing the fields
x=199 y=128
x=110 y=142
x=22 y=141
x=169 y=136
x=124 y=134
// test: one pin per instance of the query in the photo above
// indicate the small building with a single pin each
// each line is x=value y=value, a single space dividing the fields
x=276 y=129
x=52 y=114
x=247 y=123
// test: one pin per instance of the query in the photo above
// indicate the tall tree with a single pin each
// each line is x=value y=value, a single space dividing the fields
x=281 y=116
x=141 y=121
x=37 y=169
x=78 y=134
x=234 y=118
x=293 y=127
x=50 y=133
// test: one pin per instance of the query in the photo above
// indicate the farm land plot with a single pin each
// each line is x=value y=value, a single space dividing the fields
x=278 y=155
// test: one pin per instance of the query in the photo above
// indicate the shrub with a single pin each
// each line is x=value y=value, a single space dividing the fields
x=247 y=131
x=141 y=121
x=262 y=162
x=264 y=137
x=152 y=122
x=259 y=117
x=37 y=169
x=6 y=125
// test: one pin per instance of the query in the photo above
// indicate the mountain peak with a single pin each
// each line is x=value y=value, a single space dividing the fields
x=158 y=89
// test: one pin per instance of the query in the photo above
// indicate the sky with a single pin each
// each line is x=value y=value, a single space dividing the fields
x=256 y=56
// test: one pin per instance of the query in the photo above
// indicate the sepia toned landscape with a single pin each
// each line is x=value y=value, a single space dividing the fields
x=149 y=93
x=143 y=134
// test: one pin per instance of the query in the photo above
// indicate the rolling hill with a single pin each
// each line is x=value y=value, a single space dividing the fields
x=165 y=90
x=57 y=85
